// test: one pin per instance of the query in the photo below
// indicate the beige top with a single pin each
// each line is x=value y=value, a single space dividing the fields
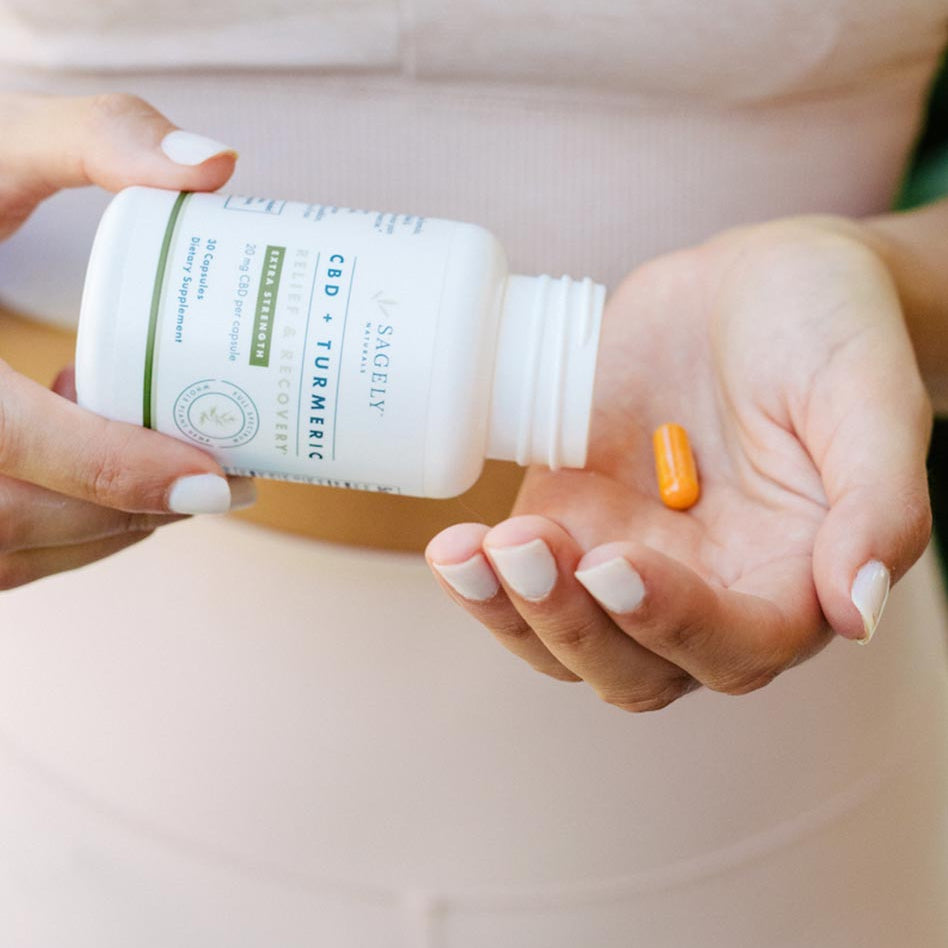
x=588 y=137
x=740 y=50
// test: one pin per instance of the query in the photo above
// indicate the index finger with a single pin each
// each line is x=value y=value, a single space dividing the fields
x=47 y=440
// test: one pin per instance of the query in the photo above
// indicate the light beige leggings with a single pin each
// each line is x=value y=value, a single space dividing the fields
x=227 y=738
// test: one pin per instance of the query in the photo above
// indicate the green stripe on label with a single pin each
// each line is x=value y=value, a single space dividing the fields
x=148 y=382
x=266 y=305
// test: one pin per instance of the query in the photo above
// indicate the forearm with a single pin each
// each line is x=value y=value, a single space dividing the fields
x=914 y=244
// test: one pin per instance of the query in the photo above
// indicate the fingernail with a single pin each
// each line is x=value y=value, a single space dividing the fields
x=473 y=579
x=199 y=494
x=529 y=569
x=243 y=492
x=615 y=585
x=869 y=594
x=186 y=148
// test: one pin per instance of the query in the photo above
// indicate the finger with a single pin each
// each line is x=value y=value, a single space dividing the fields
x=26 y=566
x=32 y=517
x=872 y=534
x=732 y=640
x=457 y=560
x=47 y=440
x=872 y=463
x=536 y=560
x=242 y=490
x=114 y=140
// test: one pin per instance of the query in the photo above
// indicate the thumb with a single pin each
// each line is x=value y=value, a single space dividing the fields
x=874 y=476
x=113 y=141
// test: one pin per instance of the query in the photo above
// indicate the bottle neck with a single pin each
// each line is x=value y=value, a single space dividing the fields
x=544 y=371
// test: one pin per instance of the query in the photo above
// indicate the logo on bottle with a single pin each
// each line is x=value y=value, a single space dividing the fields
x=216 y=413
x=376 y=361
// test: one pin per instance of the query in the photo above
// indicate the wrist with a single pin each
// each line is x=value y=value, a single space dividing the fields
x=914 y=247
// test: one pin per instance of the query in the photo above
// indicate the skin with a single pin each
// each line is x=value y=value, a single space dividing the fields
x=784 y=352
x=784 y=349
x=74 y=487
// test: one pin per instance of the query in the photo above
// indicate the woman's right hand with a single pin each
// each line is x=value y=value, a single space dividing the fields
x=75 y=487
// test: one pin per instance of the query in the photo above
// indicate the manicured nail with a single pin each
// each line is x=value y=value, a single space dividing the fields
x=243 y=492
x=529 y=569
x=869 y=594
x=186 y=148
x=199 y=494
x=615 y=585
x=473 y=579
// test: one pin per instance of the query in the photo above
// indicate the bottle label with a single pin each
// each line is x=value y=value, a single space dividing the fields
x=295 y=340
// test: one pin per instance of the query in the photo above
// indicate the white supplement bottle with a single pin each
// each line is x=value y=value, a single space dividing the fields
x=330 y=345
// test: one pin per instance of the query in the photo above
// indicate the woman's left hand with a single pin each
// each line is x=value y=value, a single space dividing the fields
x=782 y=350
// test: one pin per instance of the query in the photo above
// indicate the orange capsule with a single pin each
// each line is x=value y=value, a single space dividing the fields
x=675 y=467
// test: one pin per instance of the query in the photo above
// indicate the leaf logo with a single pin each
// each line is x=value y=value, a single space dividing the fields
x=383 y=302
x=216 y=413
x=218 y=419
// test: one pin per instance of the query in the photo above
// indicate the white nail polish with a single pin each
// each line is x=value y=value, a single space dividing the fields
x=615 y=585
x=473 y=579
x=869 y=594
x=186 y=148
x=243 y=493
x=529 y=569
x=199 y=494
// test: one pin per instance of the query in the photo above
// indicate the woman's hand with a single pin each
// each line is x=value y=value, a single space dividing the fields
x=782 y=350
x=75 y=487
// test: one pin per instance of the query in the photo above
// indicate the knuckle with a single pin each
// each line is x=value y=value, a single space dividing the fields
x=742 y=681
x=653 y=698
x=688 y=635
x=110 y=482
x=106 y=107
x=572 y=635
x=512 y=631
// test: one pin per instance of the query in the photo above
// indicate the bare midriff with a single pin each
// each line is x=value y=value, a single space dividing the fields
x=381 y=521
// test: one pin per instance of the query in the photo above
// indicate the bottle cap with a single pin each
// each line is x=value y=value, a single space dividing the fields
x=542 y=394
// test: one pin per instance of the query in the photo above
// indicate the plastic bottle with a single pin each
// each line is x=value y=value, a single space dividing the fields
x=333 y=346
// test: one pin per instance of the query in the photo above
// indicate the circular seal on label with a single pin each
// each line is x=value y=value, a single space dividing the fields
x=216 y=413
